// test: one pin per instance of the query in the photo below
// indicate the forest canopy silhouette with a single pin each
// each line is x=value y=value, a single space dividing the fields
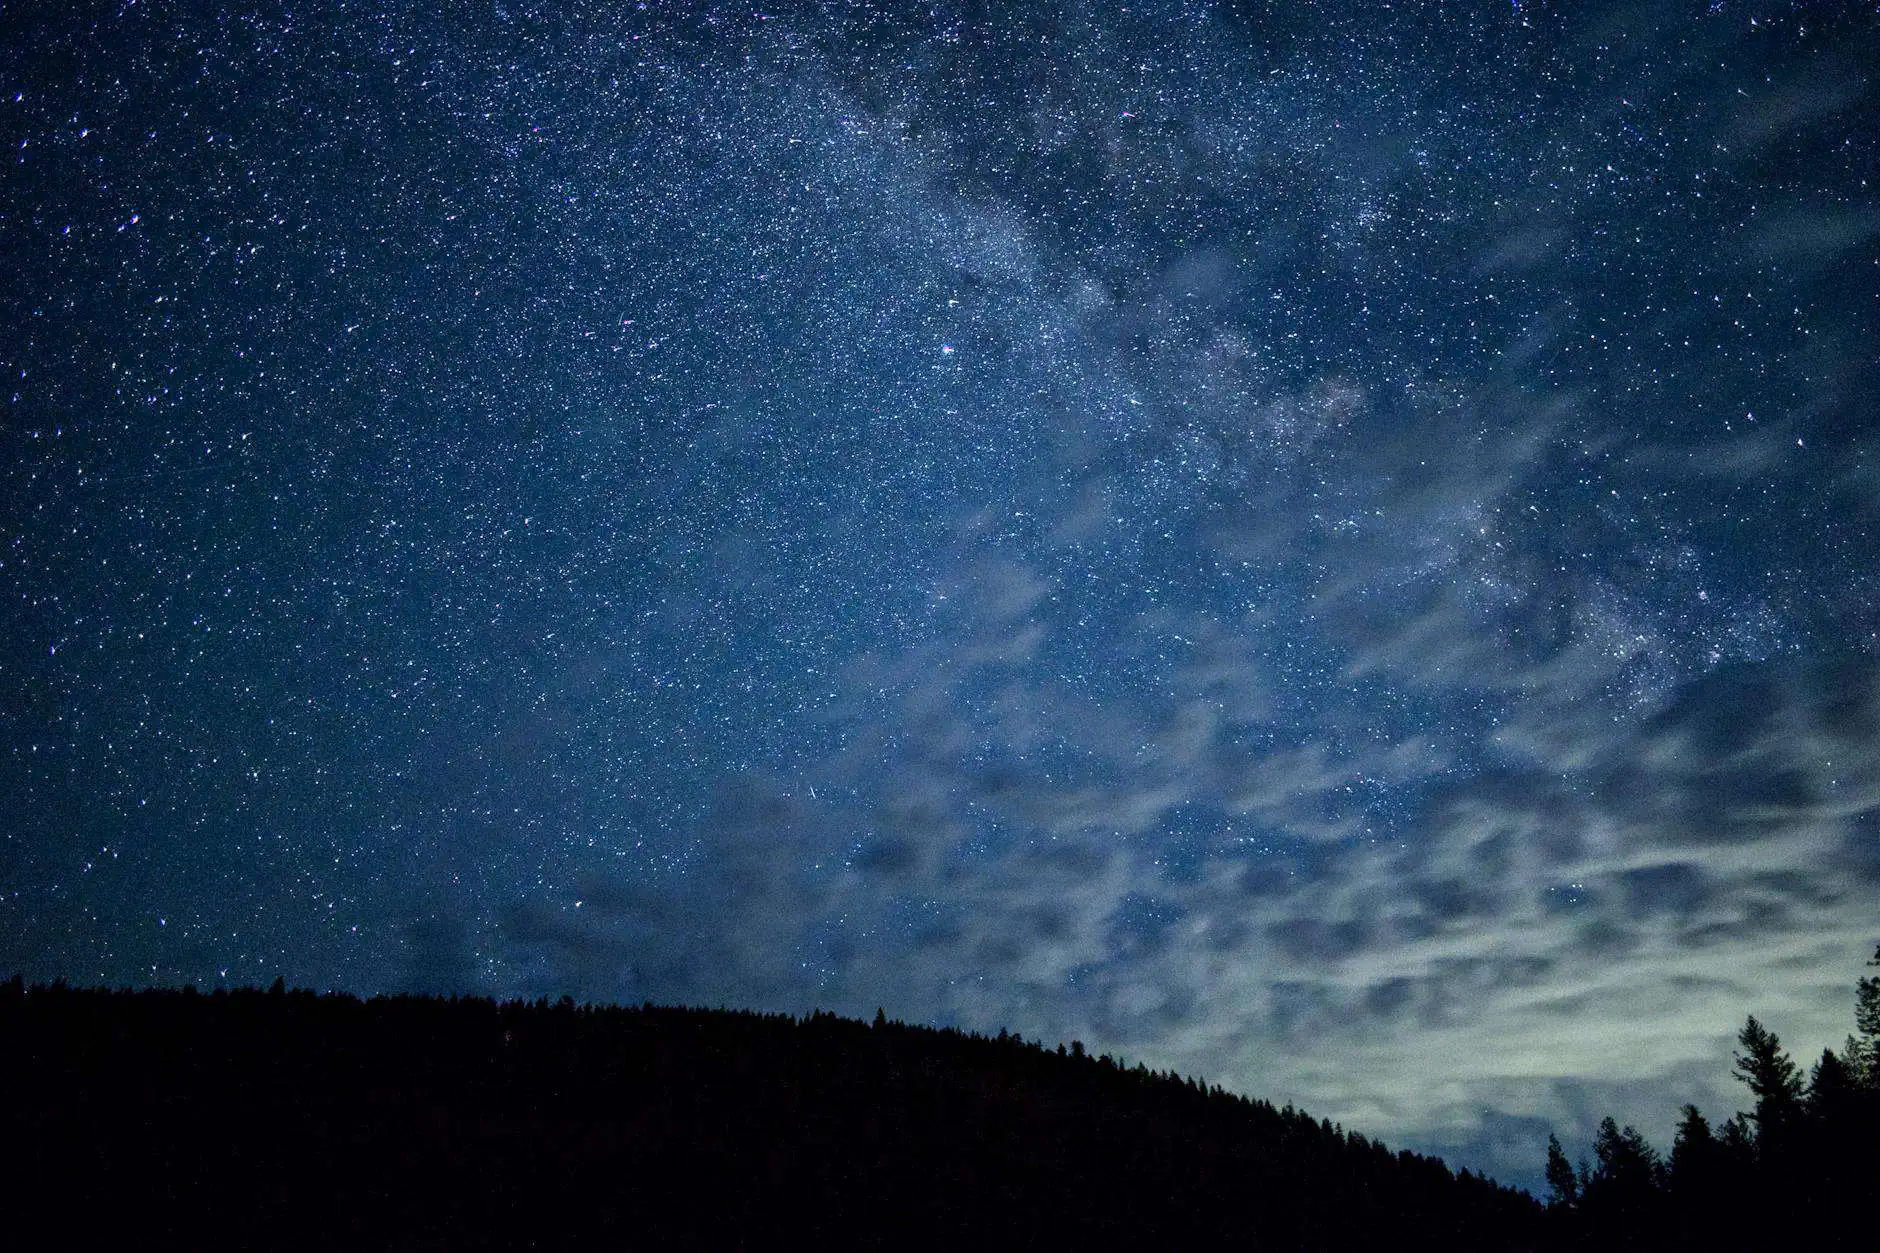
x=1799 y=1169
x=291 y=1118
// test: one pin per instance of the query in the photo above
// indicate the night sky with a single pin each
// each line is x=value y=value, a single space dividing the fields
x=1330 y=549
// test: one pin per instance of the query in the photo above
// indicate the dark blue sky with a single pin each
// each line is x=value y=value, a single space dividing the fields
x=1330 y=549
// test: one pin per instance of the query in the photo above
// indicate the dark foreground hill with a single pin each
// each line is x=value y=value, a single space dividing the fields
x=288 y=1119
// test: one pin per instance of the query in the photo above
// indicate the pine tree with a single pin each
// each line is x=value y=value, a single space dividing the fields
x=1773 y=1079
x=1831 y=1088
x=1863 y=1047
x=1697 y=1177
x=1627 y=1163
x=1620 y=1197
x=1693 y=1152
x=1563 y=1186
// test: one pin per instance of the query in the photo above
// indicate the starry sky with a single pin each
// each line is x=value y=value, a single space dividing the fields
x=1328 y=547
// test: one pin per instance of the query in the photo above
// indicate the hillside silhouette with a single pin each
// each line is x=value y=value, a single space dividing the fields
x=292 y=1119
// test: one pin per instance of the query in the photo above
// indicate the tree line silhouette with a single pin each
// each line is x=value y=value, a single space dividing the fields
x=172 y=1118
x=290 y=1119
x=1799 y=1170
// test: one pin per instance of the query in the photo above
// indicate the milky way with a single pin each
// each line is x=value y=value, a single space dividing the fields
x=1327 y=549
